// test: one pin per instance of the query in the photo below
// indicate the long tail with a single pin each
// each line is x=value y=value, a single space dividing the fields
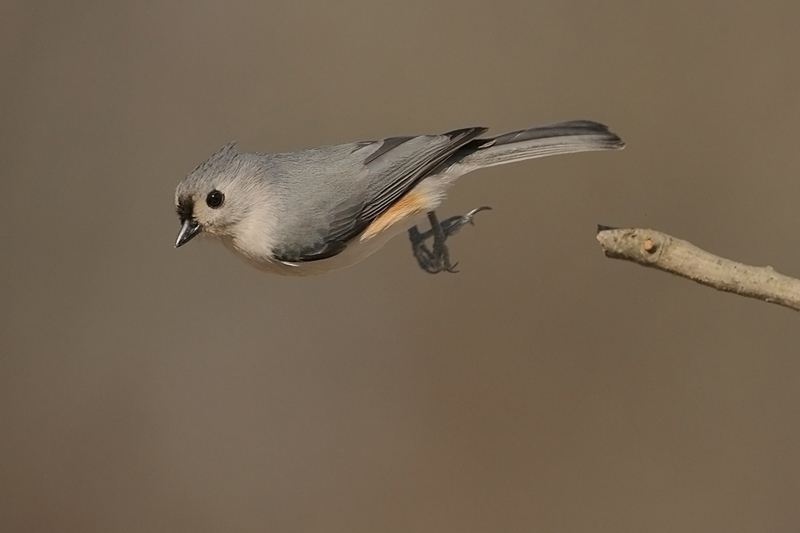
x=562 y=138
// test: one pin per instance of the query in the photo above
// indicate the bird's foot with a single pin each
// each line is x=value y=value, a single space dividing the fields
x=437 y=259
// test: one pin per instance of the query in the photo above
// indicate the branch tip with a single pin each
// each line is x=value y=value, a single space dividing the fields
x=602 y=227
x=661 y=251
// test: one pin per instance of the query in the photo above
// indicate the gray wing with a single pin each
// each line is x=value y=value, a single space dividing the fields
x=402 y=162
x=393 y=167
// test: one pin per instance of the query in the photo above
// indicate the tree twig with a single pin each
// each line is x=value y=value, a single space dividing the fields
x=664 y=252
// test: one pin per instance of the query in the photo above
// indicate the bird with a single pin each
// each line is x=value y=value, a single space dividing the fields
x=320 y=209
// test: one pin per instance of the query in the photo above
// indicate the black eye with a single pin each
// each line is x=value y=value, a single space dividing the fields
x=215 y=199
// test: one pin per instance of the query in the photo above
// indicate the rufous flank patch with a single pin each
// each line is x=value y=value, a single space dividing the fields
x=412 y=203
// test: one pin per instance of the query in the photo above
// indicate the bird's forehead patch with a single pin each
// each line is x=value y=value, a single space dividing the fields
x=185 y=208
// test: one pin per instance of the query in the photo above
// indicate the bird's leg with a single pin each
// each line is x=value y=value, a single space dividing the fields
x=437 y=259
x=421 y=252
x=441 y=254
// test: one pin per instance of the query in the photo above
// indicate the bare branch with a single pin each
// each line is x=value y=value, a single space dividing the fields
x=664 y=252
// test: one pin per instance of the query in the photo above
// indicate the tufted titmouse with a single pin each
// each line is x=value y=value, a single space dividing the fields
x=320 y=209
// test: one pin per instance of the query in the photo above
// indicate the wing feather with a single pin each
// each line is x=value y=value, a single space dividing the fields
x=393 y=167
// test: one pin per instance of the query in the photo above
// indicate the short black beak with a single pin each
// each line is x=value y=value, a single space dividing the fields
x=188 y=231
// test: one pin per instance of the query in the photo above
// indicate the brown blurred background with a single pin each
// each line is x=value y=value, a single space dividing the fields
x=544 y=388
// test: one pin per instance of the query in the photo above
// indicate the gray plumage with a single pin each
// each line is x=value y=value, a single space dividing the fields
x=313 y=203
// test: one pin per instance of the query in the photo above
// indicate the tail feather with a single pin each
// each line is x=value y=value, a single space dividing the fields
x=561 y=138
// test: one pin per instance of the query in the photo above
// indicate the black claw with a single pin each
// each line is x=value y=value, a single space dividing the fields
x=478 y=210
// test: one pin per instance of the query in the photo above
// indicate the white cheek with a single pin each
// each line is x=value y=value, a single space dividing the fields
x=255 y=235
